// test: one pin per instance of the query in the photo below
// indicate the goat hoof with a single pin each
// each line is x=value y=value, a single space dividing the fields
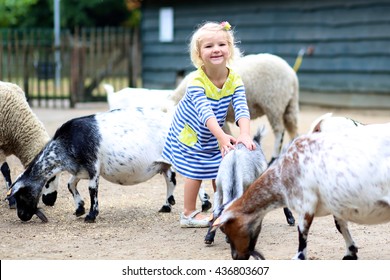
x=209 y=238
x=208 y=242
x=79 y=211
x=354 y=257
x=49 y=199
x=89 y=219
x=289 y=216
x=206 y=206
x=165 y=209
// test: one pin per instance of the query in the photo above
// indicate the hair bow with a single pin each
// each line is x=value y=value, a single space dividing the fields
x=226 y=25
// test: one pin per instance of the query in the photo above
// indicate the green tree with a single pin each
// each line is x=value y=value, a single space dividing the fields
x=13 y=11
x=82 y=13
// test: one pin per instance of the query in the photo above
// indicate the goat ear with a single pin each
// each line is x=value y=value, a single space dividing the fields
x=9 y=193
x=221 y=220
x=221 y=217
x=41 y=215
x=13 y=190
x=217 y=223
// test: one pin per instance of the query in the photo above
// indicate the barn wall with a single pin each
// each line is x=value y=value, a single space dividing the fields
x=351 y=40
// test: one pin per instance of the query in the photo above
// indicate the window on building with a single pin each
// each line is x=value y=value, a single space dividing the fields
x=166 y=24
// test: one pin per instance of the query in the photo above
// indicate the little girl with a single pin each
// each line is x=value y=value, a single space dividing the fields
x=196 y=142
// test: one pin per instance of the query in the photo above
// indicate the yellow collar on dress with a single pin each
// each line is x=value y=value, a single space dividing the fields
x=211 y=91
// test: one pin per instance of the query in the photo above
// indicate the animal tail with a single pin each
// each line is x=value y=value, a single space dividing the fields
x=298 y=61
x=290 y=116
x=261 y=132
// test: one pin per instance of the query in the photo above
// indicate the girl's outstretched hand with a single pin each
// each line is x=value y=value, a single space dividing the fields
x=226 y=143
x=247 y=140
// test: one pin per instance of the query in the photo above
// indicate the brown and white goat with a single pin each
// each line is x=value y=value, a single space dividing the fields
x=238 y=170
x=345 y=174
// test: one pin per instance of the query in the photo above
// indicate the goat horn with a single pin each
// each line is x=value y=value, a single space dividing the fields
x=41 y=215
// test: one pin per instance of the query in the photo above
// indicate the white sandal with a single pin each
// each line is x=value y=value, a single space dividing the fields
x=191 y=222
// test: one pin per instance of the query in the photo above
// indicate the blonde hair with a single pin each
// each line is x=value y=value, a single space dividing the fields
x=194 y=46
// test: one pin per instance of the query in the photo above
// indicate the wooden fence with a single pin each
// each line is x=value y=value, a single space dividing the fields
x=73 y=72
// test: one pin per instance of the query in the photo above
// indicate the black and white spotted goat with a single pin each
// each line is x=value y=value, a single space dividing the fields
x=344 y=173
x=123 y=146
x=238 y=170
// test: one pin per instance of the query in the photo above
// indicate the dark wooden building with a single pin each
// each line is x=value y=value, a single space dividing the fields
x=351 y=40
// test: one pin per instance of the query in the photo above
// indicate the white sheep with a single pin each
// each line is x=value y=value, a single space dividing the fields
x=238 y=170
x=272 y=89
x=139 y=97
x=122 y=146
x=345 y=174
x=22 y=135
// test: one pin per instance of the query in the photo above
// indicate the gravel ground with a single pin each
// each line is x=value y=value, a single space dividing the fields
x=129 y=226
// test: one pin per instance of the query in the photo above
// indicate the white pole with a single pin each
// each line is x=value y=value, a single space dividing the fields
x=57 y=43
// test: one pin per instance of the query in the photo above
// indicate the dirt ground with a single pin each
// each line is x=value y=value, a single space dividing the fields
x=129 y=226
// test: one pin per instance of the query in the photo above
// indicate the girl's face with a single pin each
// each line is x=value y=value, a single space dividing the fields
x=214 y=49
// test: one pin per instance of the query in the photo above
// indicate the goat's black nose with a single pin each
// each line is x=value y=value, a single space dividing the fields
x=24 y=215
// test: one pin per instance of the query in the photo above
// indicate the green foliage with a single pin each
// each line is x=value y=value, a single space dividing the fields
x=40 y=15
x=11 y=11
x=81 y=13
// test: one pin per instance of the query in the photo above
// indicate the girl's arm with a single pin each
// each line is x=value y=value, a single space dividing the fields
x=242 y=117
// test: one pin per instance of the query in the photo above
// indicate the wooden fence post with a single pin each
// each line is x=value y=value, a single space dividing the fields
x=25 y=62
x=74 y=70
x=1 y=56
x=89 y=57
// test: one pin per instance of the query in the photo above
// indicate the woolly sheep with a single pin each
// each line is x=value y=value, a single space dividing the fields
x=272 y=89
x=345 y=174
x=239 y=168
x=22 y=135
x=138 y=97
x=122 y=146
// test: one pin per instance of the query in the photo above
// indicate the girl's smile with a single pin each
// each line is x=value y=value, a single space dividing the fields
x=214 y=48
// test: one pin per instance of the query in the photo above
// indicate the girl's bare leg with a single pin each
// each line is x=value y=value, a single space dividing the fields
x=191 y=189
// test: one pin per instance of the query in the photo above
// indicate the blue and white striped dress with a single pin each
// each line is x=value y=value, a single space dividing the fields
x=190 y=146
